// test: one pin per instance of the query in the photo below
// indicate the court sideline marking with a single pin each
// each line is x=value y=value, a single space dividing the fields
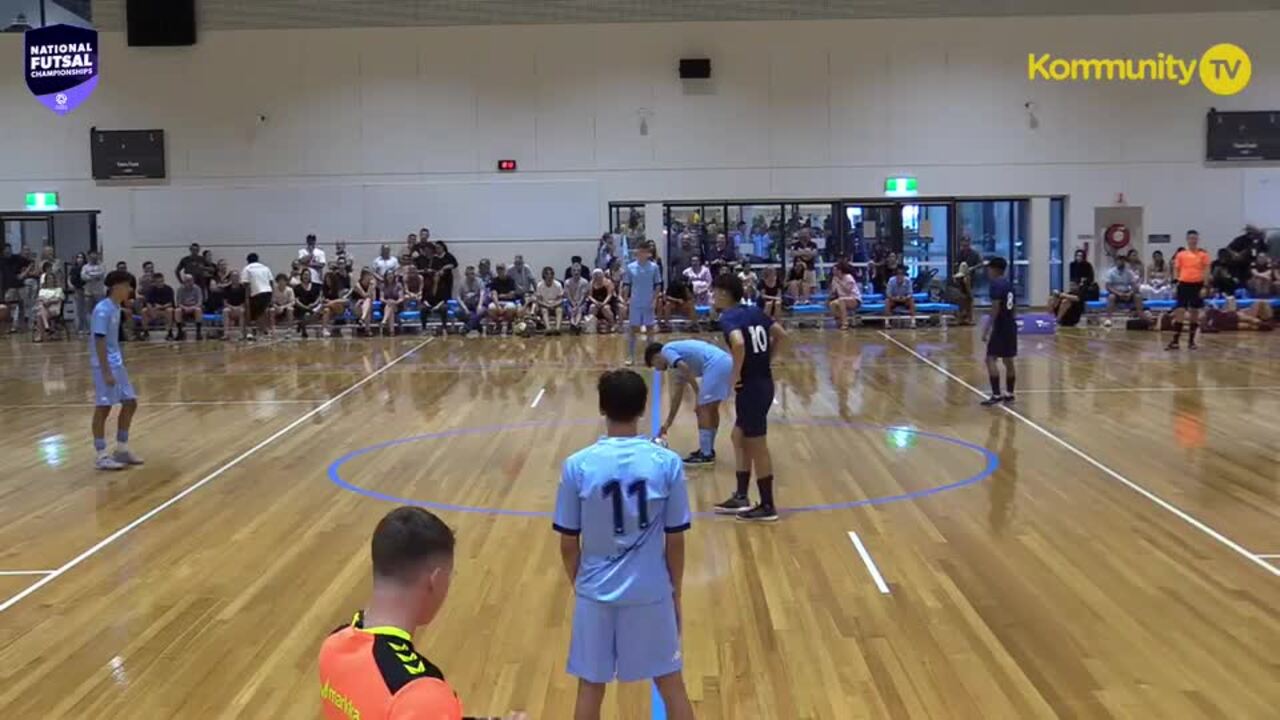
x=1165 y=504
x=538 y=398
x=871 y=564
x=1198 y=388
x=168 y=403
x=204 y=481
x=19 y=573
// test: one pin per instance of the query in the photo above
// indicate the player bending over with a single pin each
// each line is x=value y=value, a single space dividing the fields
x=622 y=509
x=692 y=360
x=753 y=337
x=110 y=380
x=1001 y=332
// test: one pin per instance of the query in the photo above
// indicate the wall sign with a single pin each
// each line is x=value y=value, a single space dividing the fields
x=901 y=187
x=42 y=201
x=60 y=63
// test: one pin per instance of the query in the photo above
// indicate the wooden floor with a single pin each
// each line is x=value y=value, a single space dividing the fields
x=1110 y=567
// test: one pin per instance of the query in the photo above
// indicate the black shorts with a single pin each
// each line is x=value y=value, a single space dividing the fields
x=1188 y=295
x=1003 y=343
x=259 y=304
x=752 y=404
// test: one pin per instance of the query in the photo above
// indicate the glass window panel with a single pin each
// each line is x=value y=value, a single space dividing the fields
x=997 y=227
x=686 y=233
x=1057 y=220
x=755 y=233
x=926 y=237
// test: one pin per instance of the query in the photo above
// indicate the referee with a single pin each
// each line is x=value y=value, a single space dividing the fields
x=1190 y=270
x=370 y=669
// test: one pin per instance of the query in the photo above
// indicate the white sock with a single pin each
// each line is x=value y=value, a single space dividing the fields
x=122 y=447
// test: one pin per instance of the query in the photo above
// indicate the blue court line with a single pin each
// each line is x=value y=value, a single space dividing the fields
x=657 y=708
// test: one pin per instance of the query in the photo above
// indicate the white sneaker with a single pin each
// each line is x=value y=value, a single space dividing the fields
x=630 y=362
x=106 y=462
x=126 y=457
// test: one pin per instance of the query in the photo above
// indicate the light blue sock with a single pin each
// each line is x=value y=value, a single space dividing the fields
x=100 y=444
x=631 y=342
x=707 y=441
x=122 y=436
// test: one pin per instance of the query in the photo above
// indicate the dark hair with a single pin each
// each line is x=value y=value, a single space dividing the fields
x=117 y=277
x=575 y=259
x=440 y=244
x=253 y=258
x=282 y=276
x=406 y=538
x=623 y=394
x=731 y=284
x=998 y=263
x=118 y=264
x=311 y=237
x=649 y=352
x=1192 y=232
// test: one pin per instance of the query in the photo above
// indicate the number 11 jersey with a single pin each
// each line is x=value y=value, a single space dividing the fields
x=622 y=495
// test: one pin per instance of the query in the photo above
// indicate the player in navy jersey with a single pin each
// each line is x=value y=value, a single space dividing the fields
x=753 y=337
x=622 y=509
x=641 y=287
x=1001 y=332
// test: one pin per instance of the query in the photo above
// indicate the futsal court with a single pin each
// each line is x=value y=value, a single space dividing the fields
x=1106 y=547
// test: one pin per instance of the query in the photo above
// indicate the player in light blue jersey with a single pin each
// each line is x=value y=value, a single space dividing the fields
x=622 y=509
x=641 y=288
x=691 y=361
x=110 y=380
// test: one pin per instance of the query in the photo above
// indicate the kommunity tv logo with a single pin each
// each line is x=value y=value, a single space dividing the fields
x=1224 y=69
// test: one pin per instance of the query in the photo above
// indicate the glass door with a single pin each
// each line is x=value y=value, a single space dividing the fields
x=870 y=232
x=30 y=231
x=926 y=240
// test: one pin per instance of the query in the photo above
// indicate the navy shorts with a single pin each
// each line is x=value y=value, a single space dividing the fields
x=752 y=404
x=1003 y=343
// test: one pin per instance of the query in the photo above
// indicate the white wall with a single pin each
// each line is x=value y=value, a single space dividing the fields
x=371 y=133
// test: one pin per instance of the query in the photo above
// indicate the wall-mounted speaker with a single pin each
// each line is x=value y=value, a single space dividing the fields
x=161 y=23
x=695 y=68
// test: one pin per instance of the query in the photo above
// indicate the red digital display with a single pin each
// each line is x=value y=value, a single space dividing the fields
x=506 y=166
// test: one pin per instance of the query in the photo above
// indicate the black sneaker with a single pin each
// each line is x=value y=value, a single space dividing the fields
x=1192 y=345
x=734 y=505
x=199 y=333
x=759 y=513
x=1007 y=399
x=993 y=400
x=1172 y=346
x=697 y=458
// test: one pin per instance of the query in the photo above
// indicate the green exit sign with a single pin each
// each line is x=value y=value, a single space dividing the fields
x=42 y=201
x=900 y=187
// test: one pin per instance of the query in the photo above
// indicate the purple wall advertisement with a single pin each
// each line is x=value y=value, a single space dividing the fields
x=61 y=65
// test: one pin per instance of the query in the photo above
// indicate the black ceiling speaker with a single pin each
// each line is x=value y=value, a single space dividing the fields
x=161 y=23
x=695 y=68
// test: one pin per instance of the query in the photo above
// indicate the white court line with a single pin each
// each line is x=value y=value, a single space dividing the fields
x=1183 y=515
x=1269 y=556
x=172 y=403
x=538 y=398
x=871 y=564
x=204 y=481
x=15 y=573
x=1150 y=389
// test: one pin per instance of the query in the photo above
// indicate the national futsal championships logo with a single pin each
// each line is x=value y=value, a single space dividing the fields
x=61 y=65
x=1224 y=69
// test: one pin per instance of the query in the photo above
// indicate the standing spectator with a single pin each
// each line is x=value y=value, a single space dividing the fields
x=960 y=291
x=1223 y=274
x=190 y=301
x=30 y=287
x=522 y=274
x=307 y=301
x=161 y=301
x=214 y=299
x=234 y=297
x=13 y=267
x=335 y=294
x=605 y=252
x=699 y=278
x=75 y=278
x=1156 y=286
x=50 y=298
x=884 y=271
x=550 y=300
x=750 y=283
x=363 y=292
x=1265 y=277
x=899 y=292
x=313 y=259
x=259 y=279
x=770 y=300
x=1080 y=272
x=721 y=255
x=193 y=264
x=1242 y=251
x=967 y=255
x=385 y=264
x=343 y=260
x=504 y=300
x=807 y=250
x=443 y=266
x=576 y=290
x=282 y=302
x=470 y=295
x=846 y=296
x=575 y=262
x=1122 y=287
x=484 y=272
x=94 y=276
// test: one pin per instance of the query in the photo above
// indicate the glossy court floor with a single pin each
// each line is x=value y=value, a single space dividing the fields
x=1101 y=550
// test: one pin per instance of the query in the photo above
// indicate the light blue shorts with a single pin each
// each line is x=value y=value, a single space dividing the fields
x=104 y=396
x=714 y=386
x=629 y=642
x=642 y=314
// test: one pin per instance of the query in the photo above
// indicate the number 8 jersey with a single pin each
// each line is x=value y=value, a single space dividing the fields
x=622 y=495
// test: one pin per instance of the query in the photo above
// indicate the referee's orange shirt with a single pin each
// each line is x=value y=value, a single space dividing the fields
x=1191 y=266
x=376 y=674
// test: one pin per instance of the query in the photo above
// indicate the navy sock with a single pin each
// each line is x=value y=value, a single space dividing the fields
x=995 y=383
x=766 y=490
x=122 y=436
x=744 y=483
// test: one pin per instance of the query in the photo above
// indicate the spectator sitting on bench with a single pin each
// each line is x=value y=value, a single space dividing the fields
x=190 y=300
x=392 y=294
x=470 y=294
x=770 y=297
x=699 y=278
x=307 y=300
x=234 y=296
x=159 y=305
x=678 y=300
x=549 y=298
x=363 y=292
x=797 y=288
x=1265 y=278
x=503 y=298
x=576 y=289
x=1122 y=284
x=898 y=292
x=1068 y=306
x=1156 y=286
x=49 y=300
x=414 y=287
x=334 y=296
x=846 y=296
x=1222 y=279
x=282 y=302
x=750 y=283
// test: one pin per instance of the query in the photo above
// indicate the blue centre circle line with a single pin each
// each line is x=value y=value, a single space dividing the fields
x=992 y=464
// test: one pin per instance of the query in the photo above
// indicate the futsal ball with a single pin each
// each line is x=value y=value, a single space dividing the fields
x=521 y=327
x=1106 y=323
x=660 y=441
x=589 y=325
